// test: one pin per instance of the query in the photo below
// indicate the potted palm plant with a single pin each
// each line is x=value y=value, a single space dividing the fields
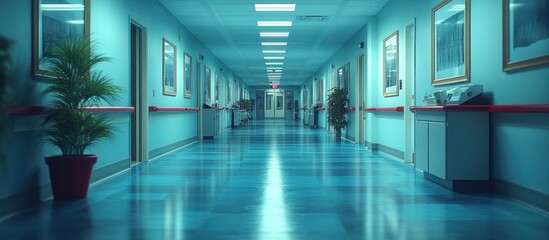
x=74 y=87
x=337 y=109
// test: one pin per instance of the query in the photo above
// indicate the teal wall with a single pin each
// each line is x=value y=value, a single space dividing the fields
x=518 y=141
x=25 y=171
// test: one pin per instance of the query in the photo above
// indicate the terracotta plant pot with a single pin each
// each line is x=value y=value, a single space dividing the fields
x=70 y=175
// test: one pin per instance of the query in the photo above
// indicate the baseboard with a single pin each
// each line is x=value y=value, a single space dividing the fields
x=348 y=137
x=32 y=197
x=109 y=170
x=162 y=150
x=388 y=150
x=18 y=202
x=525 y=195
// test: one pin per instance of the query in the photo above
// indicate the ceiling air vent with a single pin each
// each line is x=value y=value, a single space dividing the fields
x=312 y=18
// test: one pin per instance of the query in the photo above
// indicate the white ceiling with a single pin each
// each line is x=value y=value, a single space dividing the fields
x=229 y=29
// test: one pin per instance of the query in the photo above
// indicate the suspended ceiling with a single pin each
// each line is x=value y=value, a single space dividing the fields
x=229 y=29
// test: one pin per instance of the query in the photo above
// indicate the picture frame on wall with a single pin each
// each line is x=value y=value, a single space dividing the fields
x=344 y=77
x=187 y=75
x=169 y=68
x=54 y=20
x=390 y=65
x=216 y=87
x=207 y=84
x=525 y=34
x=450 y=44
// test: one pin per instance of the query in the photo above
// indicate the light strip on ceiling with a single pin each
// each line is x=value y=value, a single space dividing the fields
x=274 y=34
x=274 y=51
x=274 y=43
x=78 y=22
x=274 y=7
x=274 y=68
x=274 y=23
x=62 y=7
x=274 y=63
x=273 y=58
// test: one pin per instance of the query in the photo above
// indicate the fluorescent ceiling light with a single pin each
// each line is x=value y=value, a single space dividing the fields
x=79 y=22
x=274 y=51
x=273 y=58
x=274 y=73
x=274 y=63
x=274 y=43
x=278 y=71
x=62 y=7
x=274 y=23
x=274 y=7
x=274 y=68
x=274 y=34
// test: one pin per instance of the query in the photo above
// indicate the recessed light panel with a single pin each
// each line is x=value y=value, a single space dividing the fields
x=273 y=58
x=274 y=63
x=274 y=34
x=274 y=43
x=274 y=23
x=274 y=7
x=274 y=51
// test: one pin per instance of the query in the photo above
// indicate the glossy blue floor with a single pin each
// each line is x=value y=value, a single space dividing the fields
x=276 y=180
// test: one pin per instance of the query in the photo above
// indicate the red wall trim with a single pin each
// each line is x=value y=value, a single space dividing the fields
x=38 y=110
x=172 y=109
x=390 y=109
x=520 y=108
x=490 y=108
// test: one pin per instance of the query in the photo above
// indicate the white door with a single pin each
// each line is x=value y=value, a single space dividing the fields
x=269 y=104
x=274 y=104
x=409 y=84
x=279 y=104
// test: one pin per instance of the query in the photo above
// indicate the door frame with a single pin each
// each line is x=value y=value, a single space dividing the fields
x=361 y=114
x=139 y=120
x=409 y=89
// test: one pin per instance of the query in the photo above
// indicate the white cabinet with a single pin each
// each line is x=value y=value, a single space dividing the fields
x=452 y=145
x=210 y=123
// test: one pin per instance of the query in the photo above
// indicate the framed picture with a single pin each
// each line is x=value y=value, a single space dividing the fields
x=216 y=87
x=54 y=20
x=229 y=87
x=344 y=77
x=207 y=84
x=390 y=65
x=169 y=65
x=187 y=74
x=450 y=42
x=525 y=33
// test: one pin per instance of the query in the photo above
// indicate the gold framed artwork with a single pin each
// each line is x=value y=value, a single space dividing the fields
x=54 y=20
x=450 y=43
x=525 y=34
x=187 y=75
x=390 y=65
x=169 y=68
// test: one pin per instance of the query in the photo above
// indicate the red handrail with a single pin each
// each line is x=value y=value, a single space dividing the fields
x=110 y=109
x=172 y=109
x=389 y=109
x=542 y=108
x=38 y=110
x=520 y=108
x=350 y=109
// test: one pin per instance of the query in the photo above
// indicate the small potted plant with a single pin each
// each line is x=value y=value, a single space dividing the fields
x=73 y=87
x=337 y=109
